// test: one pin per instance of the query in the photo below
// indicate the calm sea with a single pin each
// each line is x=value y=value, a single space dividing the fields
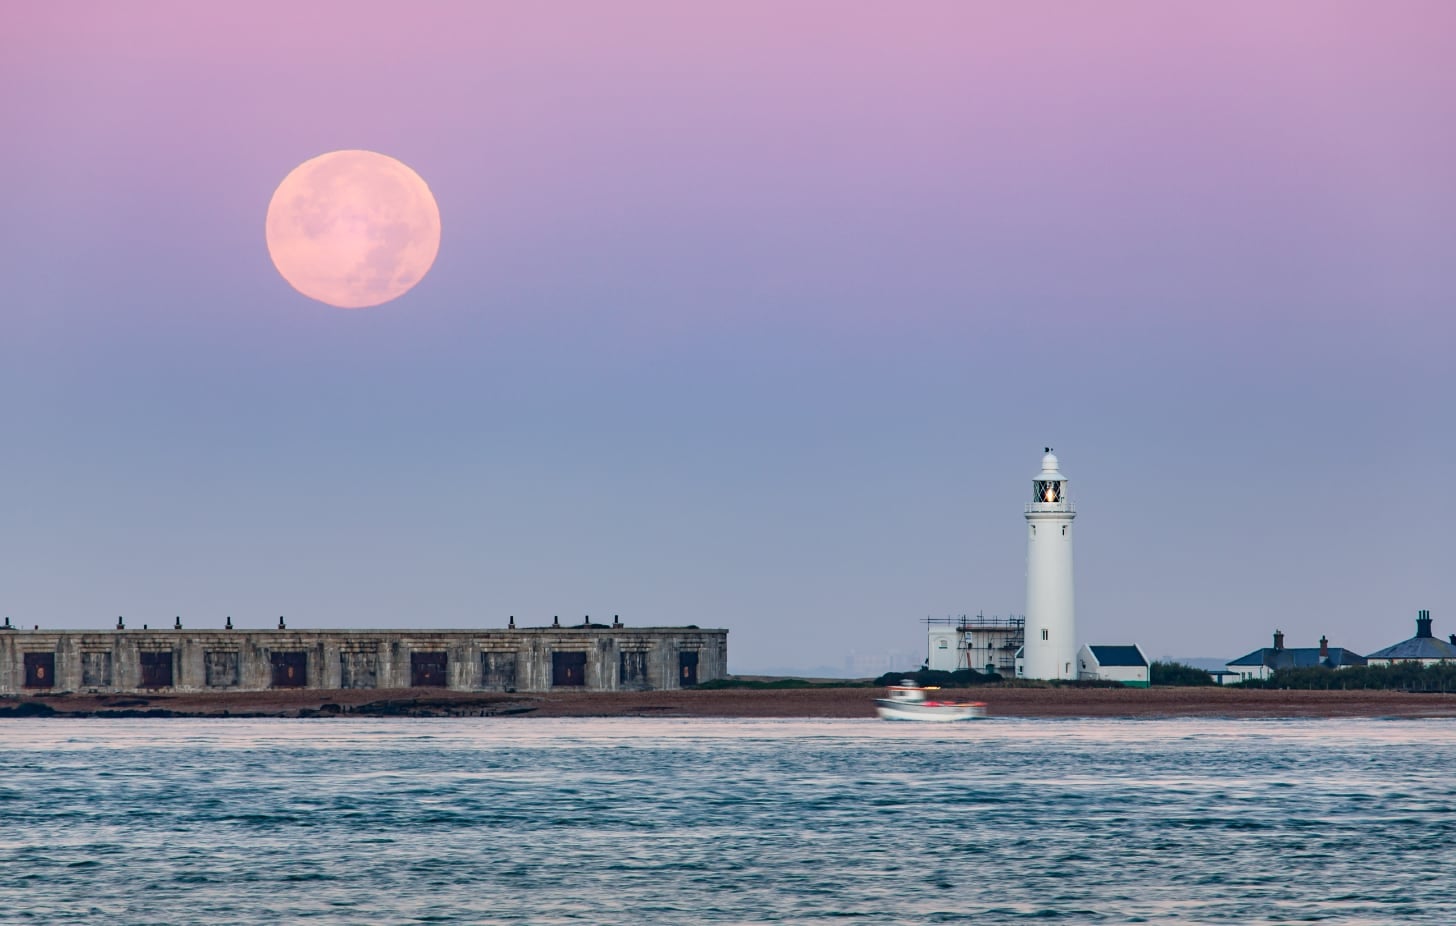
x=723 y=821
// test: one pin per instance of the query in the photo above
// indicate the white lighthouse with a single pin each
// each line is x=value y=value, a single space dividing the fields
x=1050 y=650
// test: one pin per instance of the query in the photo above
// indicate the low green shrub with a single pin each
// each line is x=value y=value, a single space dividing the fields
x=937 y=678
x=1403 y=676
x=774 y=684
x=1176 y=673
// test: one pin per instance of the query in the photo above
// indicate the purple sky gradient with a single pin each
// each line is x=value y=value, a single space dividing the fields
x=754 y=315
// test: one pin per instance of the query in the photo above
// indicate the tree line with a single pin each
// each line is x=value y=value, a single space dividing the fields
x=1402 y=676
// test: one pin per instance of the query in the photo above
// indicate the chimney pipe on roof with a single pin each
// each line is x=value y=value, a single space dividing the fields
x=1324 y=647
x=1423 y=624
x=1278 y=640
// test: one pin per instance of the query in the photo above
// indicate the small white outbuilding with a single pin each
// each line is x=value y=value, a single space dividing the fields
x=1124 y=663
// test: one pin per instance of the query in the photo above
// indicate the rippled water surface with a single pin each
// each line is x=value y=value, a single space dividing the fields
x=723 y=821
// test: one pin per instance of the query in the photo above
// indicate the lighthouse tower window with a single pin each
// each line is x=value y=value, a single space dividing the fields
x=1044 y=635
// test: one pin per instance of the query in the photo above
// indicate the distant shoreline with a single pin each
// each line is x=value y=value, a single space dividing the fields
x=1145 y=703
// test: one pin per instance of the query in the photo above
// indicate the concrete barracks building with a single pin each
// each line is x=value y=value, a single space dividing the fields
x=593 y=657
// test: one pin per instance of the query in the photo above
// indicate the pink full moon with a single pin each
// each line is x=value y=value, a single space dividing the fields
x=353 y=228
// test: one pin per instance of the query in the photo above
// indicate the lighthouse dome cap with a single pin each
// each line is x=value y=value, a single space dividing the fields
x=1050 y=467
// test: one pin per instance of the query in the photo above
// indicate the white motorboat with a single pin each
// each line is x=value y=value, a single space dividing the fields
x=908 y=701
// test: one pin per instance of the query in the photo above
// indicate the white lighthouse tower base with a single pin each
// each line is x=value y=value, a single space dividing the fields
x=1050 y=648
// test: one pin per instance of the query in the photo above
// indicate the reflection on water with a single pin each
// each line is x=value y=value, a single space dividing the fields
x=525 y=820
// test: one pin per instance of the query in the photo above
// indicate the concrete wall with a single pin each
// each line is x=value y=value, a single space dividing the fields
x=244 y=660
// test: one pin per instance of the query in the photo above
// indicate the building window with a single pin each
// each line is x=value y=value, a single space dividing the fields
x=40 y=670
x=96 y=670
x=568 y=670
x=1064 y=530
x=632 y=669
x=289 y=670
x=1044 y=635
x=156 y=668
x=428 y=670
x=220 y=668
x=942 y=645
x=359 y=668
x=688 y=664
x=498 y=671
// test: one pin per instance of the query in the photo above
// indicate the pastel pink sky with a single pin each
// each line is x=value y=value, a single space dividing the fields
x=809 y=273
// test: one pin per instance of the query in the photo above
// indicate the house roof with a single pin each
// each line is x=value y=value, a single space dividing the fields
x=1417 y=648
x=1299 y=657
x=1118 y=655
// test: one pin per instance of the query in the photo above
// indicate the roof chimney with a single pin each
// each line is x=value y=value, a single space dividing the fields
x=1324 y=647
x=1278 y=640
x=1423 y=624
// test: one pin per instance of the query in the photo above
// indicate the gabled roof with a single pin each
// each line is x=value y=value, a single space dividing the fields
x=1417 y=648
x=1300 y=657
x=1344 y=657
x=1118 y=655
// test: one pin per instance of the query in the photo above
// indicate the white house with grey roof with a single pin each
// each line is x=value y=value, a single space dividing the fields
x=1265 y=661
x=1124 y=663
x=1423 y=648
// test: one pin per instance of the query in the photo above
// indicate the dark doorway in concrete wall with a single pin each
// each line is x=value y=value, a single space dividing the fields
x=568 y=670
x=427 y=670
x=220 y=668
x=40 y=670
x=96 y=670
x=687 y=664
x=290 y=670
x=632 y=670
x=358 y=669
x=498 y=671
x=156 y=669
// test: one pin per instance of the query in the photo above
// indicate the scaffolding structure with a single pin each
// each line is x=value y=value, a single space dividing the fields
x=984 y=644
